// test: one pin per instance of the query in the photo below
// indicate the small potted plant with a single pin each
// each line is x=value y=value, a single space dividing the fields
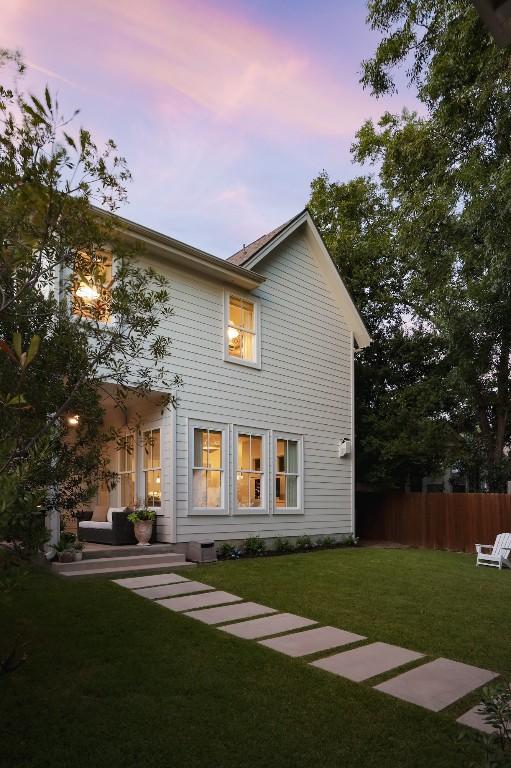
x=143 y=521
x=64 y=550
x=77 y=551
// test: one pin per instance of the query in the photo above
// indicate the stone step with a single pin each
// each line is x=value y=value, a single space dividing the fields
x=121 y=564
x=108 y=551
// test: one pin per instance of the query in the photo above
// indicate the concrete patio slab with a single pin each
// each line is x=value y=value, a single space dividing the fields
x=311 y=641
x=436 y=685
x=270 y=625
x=171 y=590
x=137 y=582
x=474 y=719
x=367 y=661
x=229 y=612
x=204 y=600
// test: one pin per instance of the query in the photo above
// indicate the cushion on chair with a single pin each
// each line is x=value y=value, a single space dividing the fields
x=111 y=510
x=102 y=525
x=99 y=514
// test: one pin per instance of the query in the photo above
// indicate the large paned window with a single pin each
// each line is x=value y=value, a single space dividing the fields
x=250 y=450
x=152 y=467
x=92 y=285
x=288 y=473
x=242 y=330
x=209 y=450
x=127 y=471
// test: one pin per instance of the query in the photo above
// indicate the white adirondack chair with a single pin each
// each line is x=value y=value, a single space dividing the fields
x=498 y=554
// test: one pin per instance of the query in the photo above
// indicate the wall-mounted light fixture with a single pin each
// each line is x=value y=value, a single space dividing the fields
x=344 y=447
x=73 y=421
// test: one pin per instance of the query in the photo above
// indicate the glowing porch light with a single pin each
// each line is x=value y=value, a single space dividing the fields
x=87 y=292
x=73 y=421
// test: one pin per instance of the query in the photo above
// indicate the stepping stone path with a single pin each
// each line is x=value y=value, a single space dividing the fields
x=198 y=601
x=170 y=590
x=226 y=613
x=437 y=684
x=474 y=719
x=271 y=625
x=311 y=641
x=433 y=685
x=367 y=661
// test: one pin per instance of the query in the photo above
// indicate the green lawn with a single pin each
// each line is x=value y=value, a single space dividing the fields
x=115 y=681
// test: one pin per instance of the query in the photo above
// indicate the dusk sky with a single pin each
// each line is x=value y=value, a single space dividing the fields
x=224 y=110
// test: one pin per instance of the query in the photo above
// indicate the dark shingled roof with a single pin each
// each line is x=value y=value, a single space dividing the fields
x=245 y=254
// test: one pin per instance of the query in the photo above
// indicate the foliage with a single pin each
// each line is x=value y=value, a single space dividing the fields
x=254 y=546
x=304 y=543
x=60 y=356
x=282 y=546
x=64 y=544
x=351 y=541
x=229 y=551
x=142 y=513
x=401 y=393
x=496 y=711
x=445 y=175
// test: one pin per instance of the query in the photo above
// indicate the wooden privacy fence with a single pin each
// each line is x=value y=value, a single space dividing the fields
x=456 y=521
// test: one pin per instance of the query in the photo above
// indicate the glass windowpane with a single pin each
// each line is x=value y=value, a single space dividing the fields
x=280 y=491
x=248 y=316
x=200 y=498
x=214 y=488
x=243 y=451
x=247 y=345
x=243 y=491
x=156 y=448
x=235 y=311
x=292 y=491
x=255 y=490
x=292 y=456
x=281 y=456
x=153 y=490
x=214 y=452
x=199 y=445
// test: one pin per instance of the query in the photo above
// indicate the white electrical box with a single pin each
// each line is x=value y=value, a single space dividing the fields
x=344 y=448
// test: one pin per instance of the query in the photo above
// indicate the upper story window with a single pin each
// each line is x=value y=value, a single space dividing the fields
x=242 y=330
x=92 y=285
x=152 y=468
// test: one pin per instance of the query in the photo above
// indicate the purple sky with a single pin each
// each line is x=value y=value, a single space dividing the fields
x=224 y=110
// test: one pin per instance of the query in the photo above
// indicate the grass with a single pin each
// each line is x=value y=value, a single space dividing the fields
x=113 y=680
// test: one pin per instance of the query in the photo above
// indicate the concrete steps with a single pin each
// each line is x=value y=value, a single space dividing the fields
x=97 y=552
x=154 y=561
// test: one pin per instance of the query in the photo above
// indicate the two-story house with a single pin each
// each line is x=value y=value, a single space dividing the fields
x=261 y=440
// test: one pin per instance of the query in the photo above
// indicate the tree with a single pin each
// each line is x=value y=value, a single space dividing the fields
x=446 y=174
x=58 y=352
x=401 y=430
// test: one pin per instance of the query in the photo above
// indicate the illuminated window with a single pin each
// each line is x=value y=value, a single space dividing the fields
x=288 y=473
x=92 y=285
x=127 y=471
x=250 y=462
x=208 y=469
x=152 y=468
x=241 y=331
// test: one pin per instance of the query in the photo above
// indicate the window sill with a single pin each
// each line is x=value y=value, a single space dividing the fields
x=239 y=361
x=288 y=511
x=205 y=512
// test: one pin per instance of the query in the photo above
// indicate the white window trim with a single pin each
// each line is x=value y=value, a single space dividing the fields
x=265 y=508
x=143 y=471
x=298 y=510
x=133 y=471
x=224 y=429
x=257 y=326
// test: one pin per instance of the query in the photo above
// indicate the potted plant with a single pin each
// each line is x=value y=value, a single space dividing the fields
x=143 y=521
x=77 y=551
x=64 y=550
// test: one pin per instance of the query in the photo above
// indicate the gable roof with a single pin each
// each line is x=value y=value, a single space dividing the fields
x=245 y=254
x=252 y=254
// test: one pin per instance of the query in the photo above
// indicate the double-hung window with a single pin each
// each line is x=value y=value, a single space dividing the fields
x=127 y=471
x=288 y=489
x=152 y=467
x=250 y=462
x=208 y=455
x=242 y=330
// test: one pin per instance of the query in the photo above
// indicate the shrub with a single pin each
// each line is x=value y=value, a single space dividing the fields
x=327 y=541
x=254 y=546
x=229 y=552
x=351 y=541
x=304 y=543
x=282 y=545
x=496 y=711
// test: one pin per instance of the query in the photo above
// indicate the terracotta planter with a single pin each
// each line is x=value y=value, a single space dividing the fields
x=143 y=530
x=65 y=557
